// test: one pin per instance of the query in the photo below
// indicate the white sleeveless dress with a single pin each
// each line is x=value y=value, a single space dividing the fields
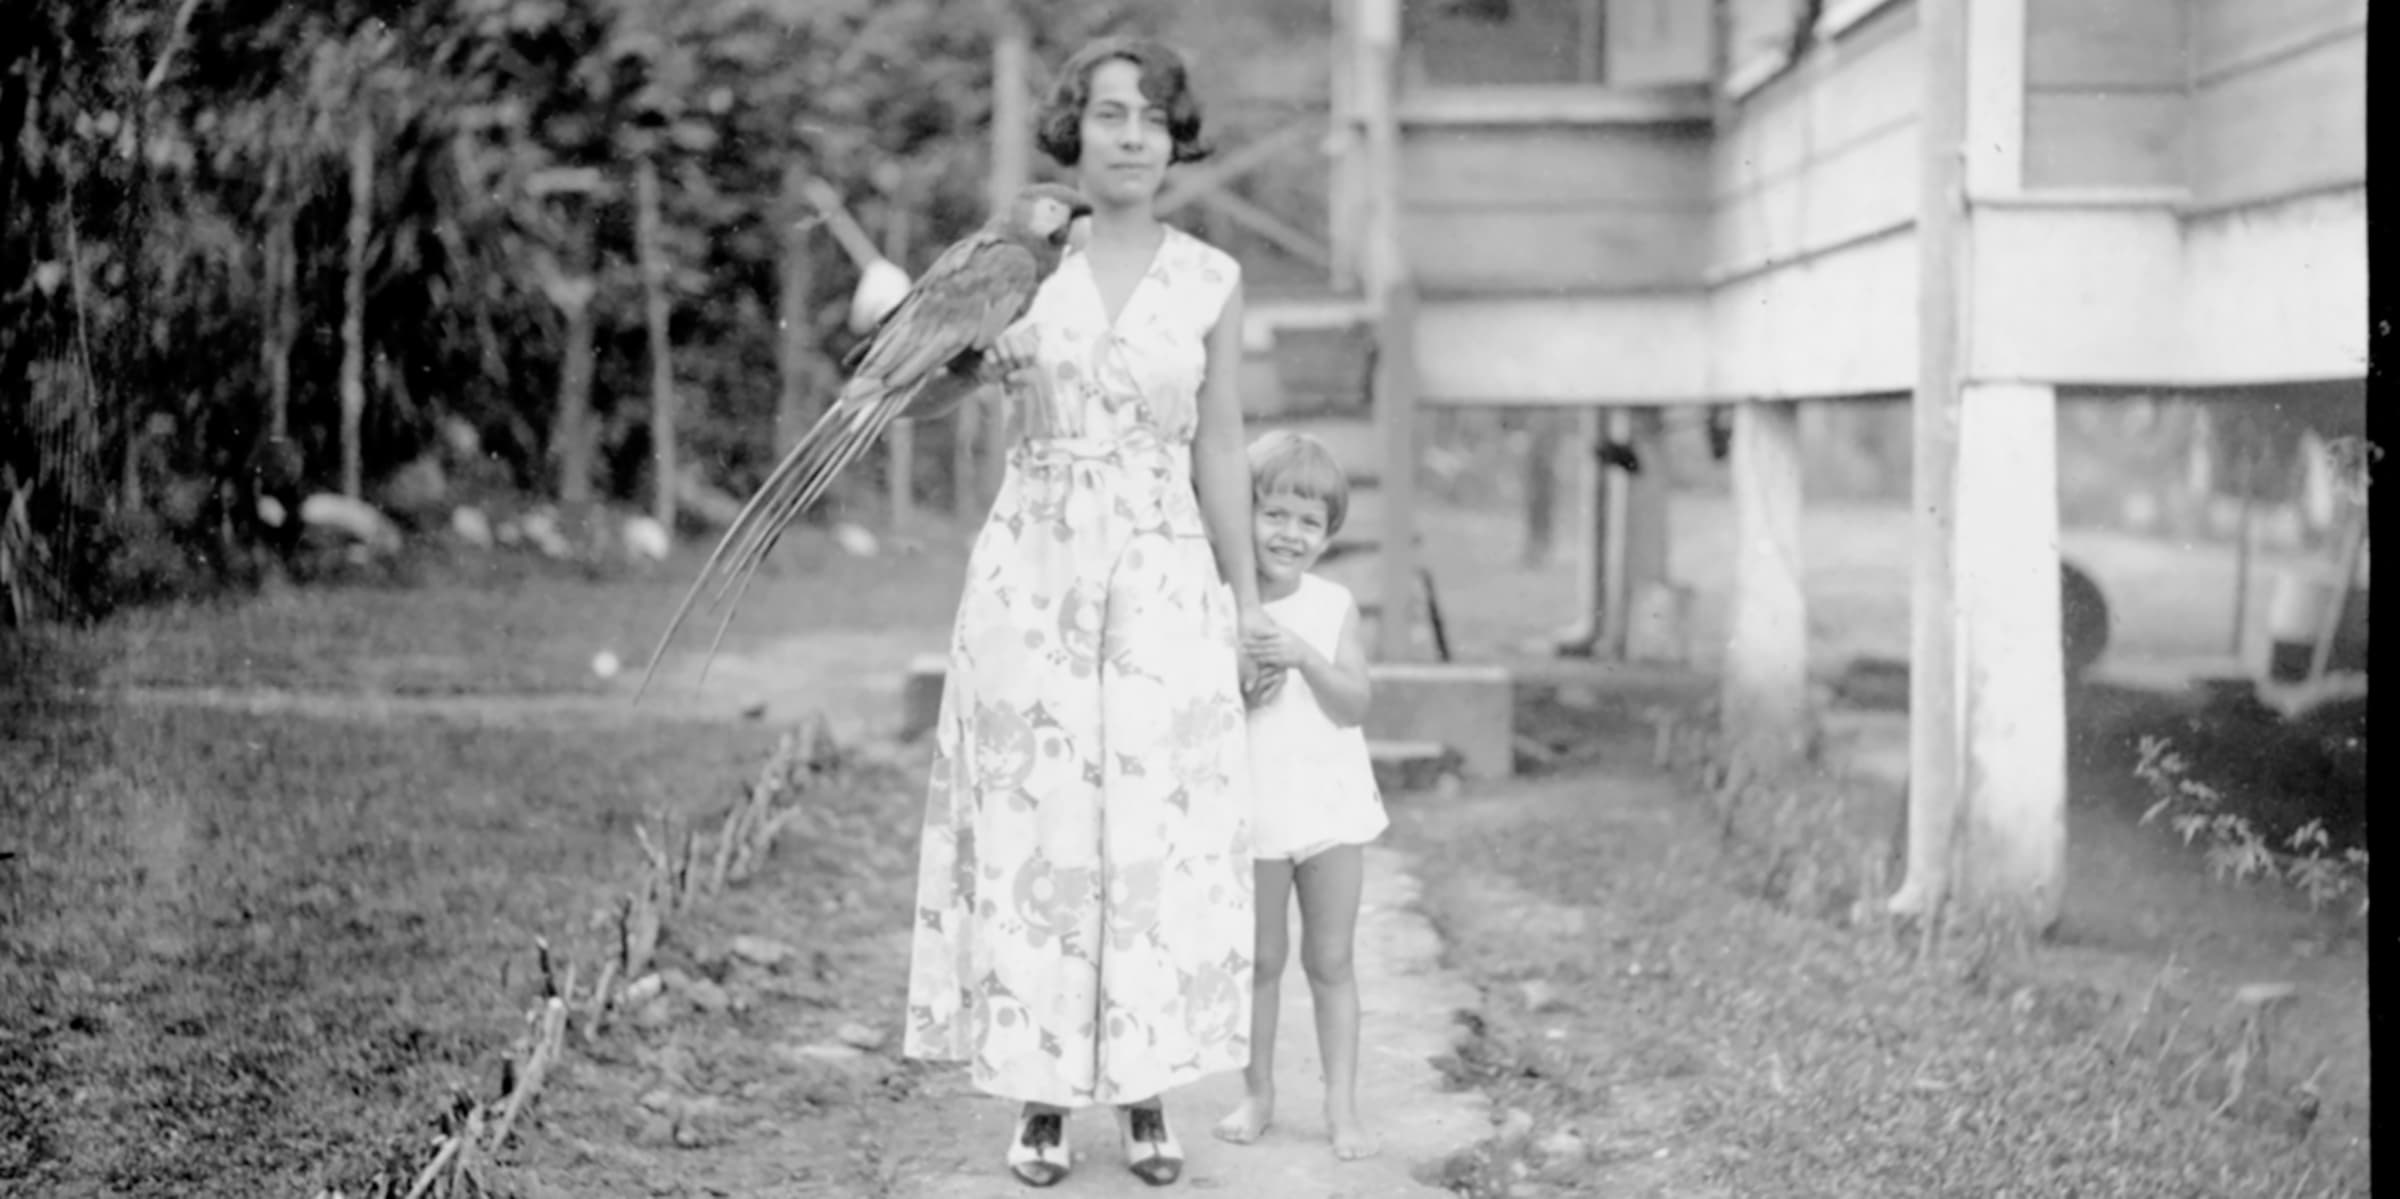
x=1083 y=926
x=1314 y=784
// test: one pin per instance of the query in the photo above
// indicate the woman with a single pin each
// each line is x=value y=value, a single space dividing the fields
x=1084 y=927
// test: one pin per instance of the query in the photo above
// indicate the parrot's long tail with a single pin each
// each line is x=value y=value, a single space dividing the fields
x=846 y=431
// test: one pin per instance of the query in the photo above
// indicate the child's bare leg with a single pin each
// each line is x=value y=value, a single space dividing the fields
x=1329 y=885
x=1274 y=947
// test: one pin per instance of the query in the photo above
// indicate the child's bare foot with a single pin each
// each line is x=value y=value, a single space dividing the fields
x=1351 y=1140
x=1248 y=1121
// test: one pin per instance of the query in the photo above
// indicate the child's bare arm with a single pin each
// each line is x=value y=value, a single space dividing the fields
x=1341 y=683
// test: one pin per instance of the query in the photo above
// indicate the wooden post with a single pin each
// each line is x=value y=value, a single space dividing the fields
x=1616 y=488
x=1766 y=711
x=1345 y=192
x=354 y=306
x=2012 y=854
x=1635 y=535
x=1012 y=167
x=1541 y=486
x=1647 y=498
x=1386 y=277
x=795 y=347
x=1933 y=677
x=647 y=238
x=1584 y=637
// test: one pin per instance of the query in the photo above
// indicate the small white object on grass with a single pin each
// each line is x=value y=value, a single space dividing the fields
x=646 y=539
x=855 y=539
x=605 y=664
x=470 y=525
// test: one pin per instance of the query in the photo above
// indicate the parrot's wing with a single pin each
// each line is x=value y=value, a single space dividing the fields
x=977 y=288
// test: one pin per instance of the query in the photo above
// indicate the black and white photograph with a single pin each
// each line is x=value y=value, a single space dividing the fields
x=1309 y=599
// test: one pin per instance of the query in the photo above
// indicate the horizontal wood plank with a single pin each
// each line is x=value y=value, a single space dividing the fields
x=2297 y=123
x=2226 y=32
x=1566 y=350
x=2072 y=44
x=2104 y=139
x=2068 y=296
x=1501 y=168
x=1842 y=324
x=1850 y=94
x=1868 y=188
x=1573 y=104
x=2279 y=293
x=1554 y=250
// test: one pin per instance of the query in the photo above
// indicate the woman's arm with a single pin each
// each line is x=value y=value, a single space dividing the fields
x=1220 y=466
x=1340 y=684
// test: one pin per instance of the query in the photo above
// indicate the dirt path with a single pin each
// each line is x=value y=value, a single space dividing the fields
x=1409 y=1002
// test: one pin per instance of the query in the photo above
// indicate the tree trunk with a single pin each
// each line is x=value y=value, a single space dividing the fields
x=571 y=433
x=796 y=350
x=354 y=308
x=2012 y=855
x=662 y=365
x=283 y=317
x=1766 y=709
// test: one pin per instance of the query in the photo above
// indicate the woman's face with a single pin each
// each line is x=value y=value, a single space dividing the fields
x=1125 y=140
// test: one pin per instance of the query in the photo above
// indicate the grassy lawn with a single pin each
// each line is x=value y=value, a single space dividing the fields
x=504 y=625
x=1699 y=1042
x=248 y=954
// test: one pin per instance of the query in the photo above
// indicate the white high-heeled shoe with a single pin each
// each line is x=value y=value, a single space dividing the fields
x=1038 y=1154
x=1150 y=1149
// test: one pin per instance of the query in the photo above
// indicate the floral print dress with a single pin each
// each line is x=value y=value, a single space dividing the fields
x=1083 y=927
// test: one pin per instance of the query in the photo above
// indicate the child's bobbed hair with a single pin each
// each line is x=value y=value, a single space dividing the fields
x=1285 y=462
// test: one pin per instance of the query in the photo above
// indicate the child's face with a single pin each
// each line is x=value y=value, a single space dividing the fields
x=1288 y=535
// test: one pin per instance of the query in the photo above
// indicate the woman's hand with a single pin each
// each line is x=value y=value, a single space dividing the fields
x=1262 y=682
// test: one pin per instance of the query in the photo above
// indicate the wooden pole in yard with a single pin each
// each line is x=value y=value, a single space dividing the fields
x=1934 y=769
x=1347 y=181
x=1012 y=167
x=1386 y=277
x=648 y=235
x=795 y=347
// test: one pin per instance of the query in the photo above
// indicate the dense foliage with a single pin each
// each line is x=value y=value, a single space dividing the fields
x=179 y=257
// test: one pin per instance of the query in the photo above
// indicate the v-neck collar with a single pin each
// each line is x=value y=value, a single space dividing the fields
x=1158 y=256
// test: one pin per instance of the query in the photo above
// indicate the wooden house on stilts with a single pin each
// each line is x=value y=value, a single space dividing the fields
x=1972 y=206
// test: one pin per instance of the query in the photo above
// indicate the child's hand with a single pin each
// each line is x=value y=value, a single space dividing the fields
x=1261 y=685
x=1271 y=644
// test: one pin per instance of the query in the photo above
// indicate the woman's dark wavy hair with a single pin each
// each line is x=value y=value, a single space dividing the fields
x=1165 y=82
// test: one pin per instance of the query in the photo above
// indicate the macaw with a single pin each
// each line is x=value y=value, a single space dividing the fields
x=927 y=353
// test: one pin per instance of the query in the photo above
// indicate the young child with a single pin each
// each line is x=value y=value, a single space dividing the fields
x=1317 y=804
